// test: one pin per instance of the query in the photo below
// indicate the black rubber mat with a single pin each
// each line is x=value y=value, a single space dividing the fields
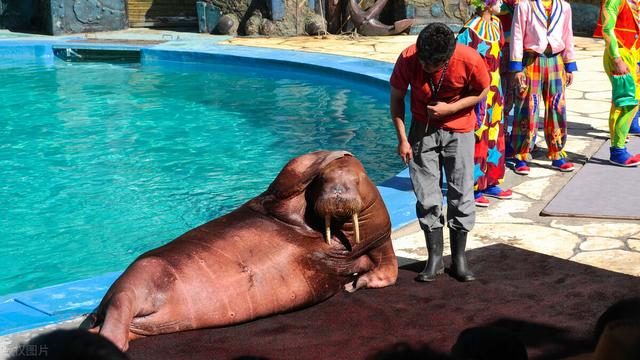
x=551 y=304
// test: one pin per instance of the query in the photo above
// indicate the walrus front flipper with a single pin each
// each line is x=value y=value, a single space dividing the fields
x=383 y=273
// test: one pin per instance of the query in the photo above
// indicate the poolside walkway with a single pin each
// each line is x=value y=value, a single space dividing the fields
x=607 y=244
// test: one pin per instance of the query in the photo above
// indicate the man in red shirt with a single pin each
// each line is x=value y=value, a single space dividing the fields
x=447 y=80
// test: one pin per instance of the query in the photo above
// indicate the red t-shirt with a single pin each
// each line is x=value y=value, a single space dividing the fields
x=466 y=71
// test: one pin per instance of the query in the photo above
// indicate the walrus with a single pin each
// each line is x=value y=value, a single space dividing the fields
x=320 y=227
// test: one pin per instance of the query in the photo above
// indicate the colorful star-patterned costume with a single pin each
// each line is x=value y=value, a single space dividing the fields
x=489 y=160
x=506 y=76
x=618 y=25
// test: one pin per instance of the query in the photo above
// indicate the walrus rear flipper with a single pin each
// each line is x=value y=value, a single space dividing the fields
x=117 y=320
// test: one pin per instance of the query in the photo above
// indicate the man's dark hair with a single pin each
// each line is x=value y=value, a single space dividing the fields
x=435 y=44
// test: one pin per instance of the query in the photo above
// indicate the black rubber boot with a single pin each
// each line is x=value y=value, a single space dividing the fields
x=459 y=268
x=435 y=265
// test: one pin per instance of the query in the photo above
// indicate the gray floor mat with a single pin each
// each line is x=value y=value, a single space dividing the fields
x=600 y=189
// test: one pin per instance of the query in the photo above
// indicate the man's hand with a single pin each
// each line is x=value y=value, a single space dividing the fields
x=440 y=109
x=405 y=152
x=619 y=67
x=569 y=79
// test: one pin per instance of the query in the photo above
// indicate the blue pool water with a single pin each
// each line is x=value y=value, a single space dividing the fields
x=102 y=162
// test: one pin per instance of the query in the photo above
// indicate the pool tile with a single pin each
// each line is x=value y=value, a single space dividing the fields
x=15 y=316
x=72 y=298
x=399 y=198
x=377 y=72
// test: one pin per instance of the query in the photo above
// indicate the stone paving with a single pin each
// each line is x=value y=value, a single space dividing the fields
x=612 y=245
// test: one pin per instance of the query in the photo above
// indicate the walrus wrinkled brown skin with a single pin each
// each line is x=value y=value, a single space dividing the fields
x=269 y=256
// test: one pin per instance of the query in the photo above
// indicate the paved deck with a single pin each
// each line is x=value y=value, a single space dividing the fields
x=612 y=245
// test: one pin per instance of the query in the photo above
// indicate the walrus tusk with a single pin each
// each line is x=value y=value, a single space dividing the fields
x=327 y=228
x=356 y=227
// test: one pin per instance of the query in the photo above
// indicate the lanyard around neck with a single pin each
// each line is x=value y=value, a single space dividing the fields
x=436 y=90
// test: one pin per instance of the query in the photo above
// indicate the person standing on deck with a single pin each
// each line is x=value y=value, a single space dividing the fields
x=447 y=80
x=484 y=33
x=542 y=56
x=618 y=24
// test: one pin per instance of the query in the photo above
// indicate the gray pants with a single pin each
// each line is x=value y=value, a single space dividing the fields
x=435 y=148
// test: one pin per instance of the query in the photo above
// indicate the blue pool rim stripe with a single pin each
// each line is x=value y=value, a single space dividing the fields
x=54 y=304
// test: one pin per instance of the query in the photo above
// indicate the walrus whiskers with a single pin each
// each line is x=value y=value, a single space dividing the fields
x=356 y=227
x=327 y=227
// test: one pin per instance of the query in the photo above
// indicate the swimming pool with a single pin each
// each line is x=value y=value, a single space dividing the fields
x=103 y=162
